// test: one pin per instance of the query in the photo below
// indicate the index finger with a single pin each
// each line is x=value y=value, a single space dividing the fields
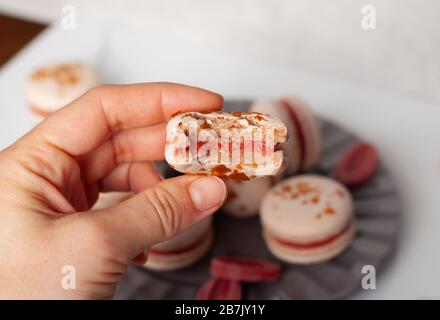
x=83 y=125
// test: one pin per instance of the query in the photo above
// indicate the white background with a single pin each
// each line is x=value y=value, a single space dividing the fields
x=401 y=55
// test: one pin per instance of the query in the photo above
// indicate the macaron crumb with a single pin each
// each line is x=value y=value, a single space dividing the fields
x=231 y=195
x=329 y=211
x=315 y=199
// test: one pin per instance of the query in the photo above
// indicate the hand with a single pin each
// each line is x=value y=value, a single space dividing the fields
x=50 y=178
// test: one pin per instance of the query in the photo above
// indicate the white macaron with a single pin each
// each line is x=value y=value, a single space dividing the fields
x=51 y=87
x=307 y=219
x=244 y=197
x=303 y=146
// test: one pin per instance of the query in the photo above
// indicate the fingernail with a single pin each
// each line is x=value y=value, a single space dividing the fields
x=207 y=193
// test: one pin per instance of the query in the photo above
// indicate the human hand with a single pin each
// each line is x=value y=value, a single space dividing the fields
x=50 y=178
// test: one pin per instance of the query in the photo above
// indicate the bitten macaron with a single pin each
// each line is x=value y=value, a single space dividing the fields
x=307 y=219
x=244 y=197
x=183 y=249
x=51 y=87
x=304 y=143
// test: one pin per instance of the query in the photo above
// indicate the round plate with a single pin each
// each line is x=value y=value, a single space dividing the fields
x=377 y=219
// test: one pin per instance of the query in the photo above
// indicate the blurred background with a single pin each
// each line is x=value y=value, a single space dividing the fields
x=371 y=66
x=401 y=54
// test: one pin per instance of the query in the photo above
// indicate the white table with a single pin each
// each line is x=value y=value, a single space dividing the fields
x=407 y=132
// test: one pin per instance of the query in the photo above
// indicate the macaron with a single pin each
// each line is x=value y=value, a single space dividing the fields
x=183 y=249
x=304 y=143
x=307 y=219
x=230 y=145
x=244 y=197
x=51 y=87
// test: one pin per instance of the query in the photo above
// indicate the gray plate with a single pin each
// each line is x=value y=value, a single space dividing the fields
x=377 y=219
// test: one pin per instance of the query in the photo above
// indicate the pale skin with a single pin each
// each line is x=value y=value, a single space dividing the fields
x=49 y=179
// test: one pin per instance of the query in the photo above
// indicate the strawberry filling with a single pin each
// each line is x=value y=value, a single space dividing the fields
x=314 y=244
x=255 y=148
x=293 y=116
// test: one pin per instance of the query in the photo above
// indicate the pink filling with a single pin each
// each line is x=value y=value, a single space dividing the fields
x=314 y=244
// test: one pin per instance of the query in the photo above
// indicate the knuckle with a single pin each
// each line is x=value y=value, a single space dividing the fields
x=121 y=149
x=166 y=208
x=100 y=95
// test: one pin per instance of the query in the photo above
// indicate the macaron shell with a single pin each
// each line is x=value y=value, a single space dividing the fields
x=291 y=146
x=310 y=128
x=306 y=208
x=169 y=262
x=39 y=111
x=313 y=255
x=47 y=94
x=244 y=197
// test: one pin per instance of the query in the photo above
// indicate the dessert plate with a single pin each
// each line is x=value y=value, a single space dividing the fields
x=377 y=210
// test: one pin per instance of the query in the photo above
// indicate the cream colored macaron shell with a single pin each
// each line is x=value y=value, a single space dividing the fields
x=244 y=197
x=304 y=212
x=303 y=146
x=52 y=87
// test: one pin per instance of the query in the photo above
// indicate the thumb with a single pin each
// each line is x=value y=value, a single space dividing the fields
x=158 y=213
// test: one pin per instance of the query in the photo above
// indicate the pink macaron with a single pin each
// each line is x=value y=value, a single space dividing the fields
x=183 y=249
x=307 y=219
x=303 y=146
x=244 y=197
